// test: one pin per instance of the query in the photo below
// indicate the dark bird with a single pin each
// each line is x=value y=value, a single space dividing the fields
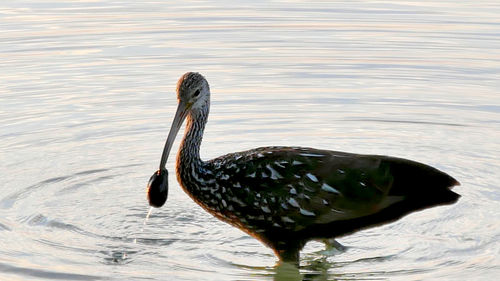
x=287 y=196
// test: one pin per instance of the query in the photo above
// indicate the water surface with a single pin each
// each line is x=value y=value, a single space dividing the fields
x=87 y=97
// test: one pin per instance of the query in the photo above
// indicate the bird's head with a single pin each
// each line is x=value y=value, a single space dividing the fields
x=193 y=91
x=193 y=95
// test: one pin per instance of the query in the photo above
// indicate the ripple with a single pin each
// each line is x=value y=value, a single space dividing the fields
x=10 y=200
x=4 y=227
x=41 y=220
x=46 y=274
x=405 y=122
x=155 y=241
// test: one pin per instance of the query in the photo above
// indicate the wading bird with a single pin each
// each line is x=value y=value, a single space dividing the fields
x=287 y=196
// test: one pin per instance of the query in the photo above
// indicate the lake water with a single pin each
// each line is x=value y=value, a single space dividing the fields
x=87 y=98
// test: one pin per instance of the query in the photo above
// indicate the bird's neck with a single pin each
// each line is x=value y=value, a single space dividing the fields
x=188 y=158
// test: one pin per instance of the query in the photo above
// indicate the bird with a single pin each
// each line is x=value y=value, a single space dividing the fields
x=287 y=196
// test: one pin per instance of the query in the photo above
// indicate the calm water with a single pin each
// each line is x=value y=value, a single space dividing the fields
x=87 y=97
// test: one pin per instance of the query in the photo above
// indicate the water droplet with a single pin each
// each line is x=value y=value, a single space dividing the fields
x=144 y=222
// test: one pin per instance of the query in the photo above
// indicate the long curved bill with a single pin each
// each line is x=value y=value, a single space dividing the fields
x=180 y=115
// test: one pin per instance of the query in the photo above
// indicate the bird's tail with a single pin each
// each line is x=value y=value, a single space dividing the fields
x=422 y=186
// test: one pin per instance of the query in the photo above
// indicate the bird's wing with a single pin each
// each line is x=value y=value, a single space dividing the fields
x=296 y=187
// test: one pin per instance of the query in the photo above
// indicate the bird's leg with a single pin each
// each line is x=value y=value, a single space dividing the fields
x=332 y=246
x=288 y=251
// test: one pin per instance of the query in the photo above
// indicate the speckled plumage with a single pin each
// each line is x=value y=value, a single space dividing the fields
x=286 y=196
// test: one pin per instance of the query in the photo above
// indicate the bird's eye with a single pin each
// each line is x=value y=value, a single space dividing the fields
x=197 y=93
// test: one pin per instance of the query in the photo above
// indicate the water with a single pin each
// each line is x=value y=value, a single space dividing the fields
x=87 y=97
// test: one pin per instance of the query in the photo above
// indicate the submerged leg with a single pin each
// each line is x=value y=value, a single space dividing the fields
x=287 y=271
x=290 y=255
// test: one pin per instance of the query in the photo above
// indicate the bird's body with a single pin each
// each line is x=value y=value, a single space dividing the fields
x=286 y=196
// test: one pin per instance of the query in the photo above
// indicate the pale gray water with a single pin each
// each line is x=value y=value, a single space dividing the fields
x=86 y=92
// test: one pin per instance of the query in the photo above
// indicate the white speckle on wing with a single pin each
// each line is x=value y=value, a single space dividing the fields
x=295 y=163
x=341 y=171
x=287 y=219
x=362 y=184
x=337 y=211
x=238 y=201
x=293 y=191
x=237 y=184
x=311 y=155
x=274 y=175
x=260 y=155
x=224 y=203
x=312 y=177
x=328 y=188
x=224 y=177
x=279 y=165
x=325 y=202
x=293 y=203
x=265 y=209
x=263 y=175
x=276 y=225
x=252 y=175
x=307 y=213
x=310 y=189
